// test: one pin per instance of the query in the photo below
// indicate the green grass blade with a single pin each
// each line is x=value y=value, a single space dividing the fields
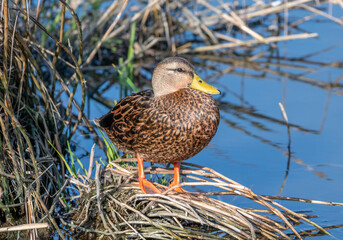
x=65 y=162
x=71 y=158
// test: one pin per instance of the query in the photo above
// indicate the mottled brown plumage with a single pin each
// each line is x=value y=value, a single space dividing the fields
x=168 y=128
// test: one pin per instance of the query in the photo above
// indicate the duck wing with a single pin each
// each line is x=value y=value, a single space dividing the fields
x=131 y=122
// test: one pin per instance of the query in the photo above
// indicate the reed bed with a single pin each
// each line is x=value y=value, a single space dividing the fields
x=54 y=57
x=112 y=206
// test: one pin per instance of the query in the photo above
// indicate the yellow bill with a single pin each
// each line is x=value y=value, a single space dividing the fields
x=201 y=85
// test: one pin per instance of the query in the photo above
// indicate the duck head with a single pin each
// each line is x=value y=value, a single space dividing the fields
x=175 y=73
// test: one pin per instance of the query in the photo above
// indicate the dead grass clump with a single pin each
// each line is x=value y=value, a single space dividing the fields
x=32 y=117
x=112 y=206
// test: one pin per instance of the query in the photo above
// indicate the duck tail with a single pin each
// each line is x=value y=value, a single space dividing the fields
x=105 y=121
x=96 y=122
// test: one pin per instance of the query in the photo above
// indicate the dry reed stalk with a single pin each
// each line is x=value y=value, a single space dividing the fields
x=249 y=43
x=24 y=227
x=268 y=9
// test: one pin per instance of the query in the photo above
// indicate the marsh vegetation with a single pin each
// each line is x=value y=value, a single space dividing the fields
x=59 y=60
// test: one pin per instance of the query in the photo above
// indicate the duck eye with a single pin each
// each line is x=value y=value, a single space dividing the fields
x=180 y=70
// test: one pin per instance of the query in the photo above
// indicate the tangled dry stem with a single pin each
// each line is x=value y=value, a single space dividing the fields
x=113 y=206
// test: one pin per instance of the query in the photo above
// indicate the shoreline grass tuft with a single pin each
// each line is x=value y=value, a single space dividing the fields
x=126 y=212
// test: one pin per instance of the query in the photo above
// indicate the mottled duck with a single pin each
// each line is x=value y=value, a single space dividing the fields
x=168 y=124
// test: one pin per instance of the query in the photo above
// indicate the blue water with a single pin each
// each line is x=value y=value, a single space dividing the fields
x=258 y=160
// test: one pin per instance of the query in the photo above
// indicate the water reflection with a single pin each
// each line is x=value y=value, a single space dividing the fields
x=255 y=145
x=265 y=66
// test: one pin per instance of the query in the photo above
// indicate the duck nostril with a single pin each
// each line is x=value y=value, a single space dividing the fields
x=200 y=81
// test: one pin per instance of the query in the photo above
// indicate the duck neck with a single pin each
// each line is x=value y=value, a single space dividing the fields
x=161 y=88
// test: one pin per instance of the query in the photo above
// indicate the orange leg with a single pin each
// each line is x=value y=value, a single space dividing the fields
x=176 y=180
x=143 y=183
